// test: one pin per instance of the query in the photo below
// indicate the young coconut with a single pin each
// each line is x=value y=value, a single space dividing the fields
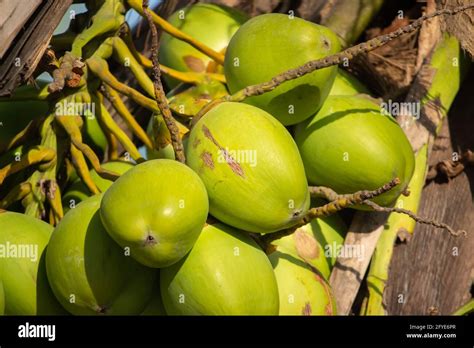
x=347 y=84
x=316 y=243
x=157 y=209
x=25 y=289
x=226 y=273
x=301 y=291
x=165 y=150
x=350 y=145
x=270 y=44
x=89 y=273
x=211 y=24
x=239 y=150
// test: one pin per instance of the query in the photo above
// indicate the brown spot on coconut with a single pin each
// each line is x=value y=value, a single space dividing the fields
x=306 y=245
x=233 y=164
x=306 y=309
x=207 y=159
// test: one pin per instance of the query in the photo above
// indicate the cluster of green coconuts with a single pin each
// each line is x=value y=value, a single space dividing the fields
x=146 y=245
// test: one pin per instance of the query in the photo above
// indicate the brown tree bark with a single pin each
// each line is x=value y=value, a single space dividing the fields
x=434 y=271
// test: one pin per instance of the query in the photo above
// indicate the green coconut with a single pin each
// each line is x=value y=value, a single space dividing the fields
x=317 y=243
x=301 y=291
x=251 y=168
x=25 y=289
x=347 y=84
x=89 y=273
x=167 y=151
x=350 y=145
x=270 y=44
x=226 y=273
x=157 y=209
x=210 y=24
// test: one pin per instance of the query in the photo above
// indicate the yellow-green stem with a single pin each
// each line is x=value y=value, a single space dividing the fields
x=113 y=128
x=100 y=68
x=123 y=111
x=465 y=309
x=137 y=5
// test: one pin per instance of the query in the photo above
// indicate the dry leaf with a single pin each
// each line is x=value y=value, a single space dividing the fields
x=460 y=25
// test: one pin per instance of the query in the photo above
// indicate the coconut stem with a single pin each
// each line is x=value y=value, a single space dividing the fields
x=153 y=18
x=42 y=182
x=25 y=134
x=36 y=155
x=72 y=129
x=176 y=141
x=329 y=194
x=418 y=219
x=183 y=76
x=338 y=202
x=465 y=309
x=99 y=67
x=19 y=192
x=111 y=127
x=114 y=98
x=80 y=164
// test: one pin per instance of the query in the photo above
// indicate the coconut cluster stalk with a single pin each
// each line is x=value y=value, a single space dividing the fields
x=449 y=66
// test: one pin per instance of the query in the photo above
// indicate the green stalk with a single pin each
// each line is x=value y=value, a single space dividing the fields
x=124 y=56
x=108 y=18
x=100 y=68
x=35 y=200
x=465 y=309
x=137 y=5
x=116 y=47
